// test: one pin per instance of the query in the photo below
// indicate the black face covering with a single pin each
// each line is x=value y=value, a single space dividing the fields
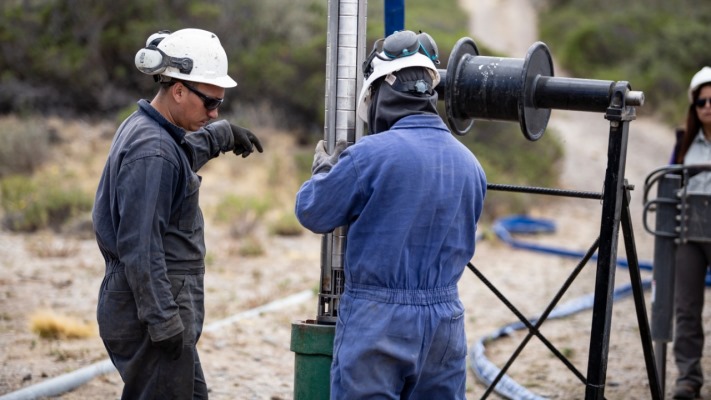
x=411 y=93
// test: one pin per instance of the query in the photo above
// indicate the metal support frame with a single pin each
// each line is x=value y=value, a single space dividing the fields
x=612 y=202
x=615 y=214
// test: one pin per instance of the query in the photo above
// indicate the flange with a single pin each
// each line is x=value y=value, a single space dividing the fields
x=458 y=121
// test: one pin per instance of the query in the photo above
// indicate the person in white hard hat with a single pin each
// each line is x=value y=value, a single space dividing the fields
x=147 y=220
x=692 y=258
x=411 y=196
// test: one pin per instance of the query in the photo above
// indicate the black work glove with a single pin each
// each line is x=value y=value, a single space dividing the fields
x=323 y=162
x=173 y=346
x=245 y=141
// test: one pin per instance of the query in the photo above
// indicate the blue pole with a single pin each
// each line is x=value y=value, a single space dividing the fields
x=394 y=16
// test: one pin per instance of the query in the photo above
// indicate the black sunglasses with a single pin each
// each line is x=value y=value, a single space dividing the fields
x=210 y=103
x=700 y=103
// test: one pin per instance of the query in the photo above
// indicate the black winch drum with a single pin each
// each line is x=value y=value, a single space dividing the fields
x=515 y=89
x=496 y=88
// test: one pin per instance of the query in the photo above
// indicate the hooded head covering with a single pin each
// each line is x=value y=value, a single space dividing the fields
x=405 y=92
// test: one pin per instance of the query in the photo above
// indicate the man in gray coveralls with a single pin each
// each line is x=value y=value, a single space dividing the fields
x=147 y=220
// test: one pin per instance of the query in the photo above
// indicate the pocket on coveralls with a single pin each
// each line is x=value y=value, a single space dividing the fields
x=344 y=313
x=188 y=293
x=190 y=207
x=116 y=313
x=457 y=344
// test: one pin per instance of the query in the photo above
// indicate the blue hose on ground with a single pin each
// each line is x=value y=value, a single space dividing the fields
x=485 y=370
x=526 y=225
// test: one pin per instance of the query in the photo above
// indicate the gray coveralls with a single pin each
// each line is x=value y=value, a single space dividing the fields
x=149 y=229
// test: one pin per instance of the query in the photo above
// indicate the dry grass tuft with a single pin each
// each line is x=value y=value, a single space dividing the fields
x=50 y=325
x=48 y=246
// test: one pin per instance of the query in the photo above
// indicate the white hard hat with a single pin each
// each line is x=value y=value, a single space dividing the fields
x=700 y=78
x=383 y=67
x=193 y=55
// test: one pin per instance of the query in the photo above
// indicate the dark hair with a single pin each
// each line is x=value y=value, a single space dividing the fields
x=168 y=83
x=693 y=124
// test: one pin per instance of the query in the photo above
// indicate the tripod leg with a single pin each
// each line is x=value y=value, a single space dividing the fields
x=638 y=294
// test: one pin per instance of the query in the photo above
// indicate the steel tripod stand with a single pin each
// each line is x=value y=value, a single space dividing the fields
x=615 y=213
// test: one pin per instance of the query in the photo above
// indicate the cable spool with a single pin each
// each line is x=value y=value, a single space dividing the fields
x=515 y=89
x=495 y=88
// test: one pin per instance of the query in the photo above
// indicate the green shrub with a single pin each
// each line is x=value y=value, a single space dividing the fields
x=508 y=158
x=251 y=247
x=24 y=145
x=233 y=207
x=286 y=225
x=241 y=213
x=276 y=50
x=30 y=204
x=303 y=159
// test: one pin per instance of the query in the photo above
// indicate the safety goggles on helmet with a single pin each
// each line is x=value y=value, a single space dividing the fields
x=210 y=103
x=401 y=44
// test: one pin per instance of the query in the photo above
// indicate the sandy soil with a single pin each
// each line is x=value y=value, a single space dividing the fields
x=249 y=358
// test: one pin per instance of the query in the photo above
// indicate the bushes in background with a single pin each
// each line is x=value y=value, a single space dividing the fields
x=656 y=45
x=31 y=204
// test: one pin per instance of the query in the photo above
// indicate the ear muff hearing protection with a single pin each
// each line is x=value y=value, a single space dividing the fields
x=152 y=61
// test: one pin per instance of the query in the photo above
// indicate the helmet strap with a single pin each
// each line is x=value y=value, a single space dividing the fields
x=419 y=87
x=183 y=64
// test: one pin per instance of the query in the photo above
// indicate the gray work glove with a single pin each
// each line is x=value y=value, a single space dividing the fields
x=245 y=141
x=173 y=346
x=323 y=162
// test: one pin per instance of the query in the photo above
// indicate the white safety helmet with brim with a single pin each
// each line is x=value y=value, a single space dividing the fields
x=700 y=78
x=190 y=54
x=402 y=49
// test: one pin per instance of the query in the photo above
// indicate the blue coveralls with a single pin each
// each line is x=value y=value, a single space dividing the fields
x=412 y=197
x=149 y=229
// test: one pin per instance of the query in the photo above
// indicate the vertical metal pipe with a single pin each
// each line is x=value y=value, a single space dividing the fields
x=312 y=340
x=329 y=134
x=345 y=51
x=394 y=16
x=663 y=271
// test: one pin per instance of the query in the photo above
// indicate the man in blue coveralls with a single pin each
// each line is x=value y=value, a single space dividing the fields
x=148 y=223
x=411 y=195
